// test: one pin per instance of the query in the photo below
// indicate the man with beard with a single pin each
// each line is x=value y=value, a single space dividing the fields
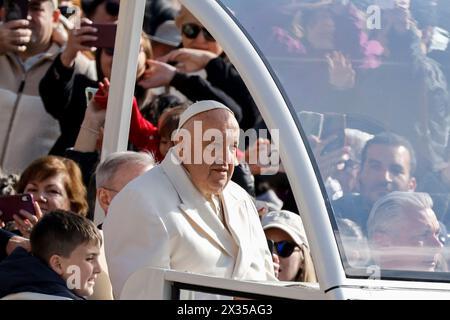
x=27 y=50
x=388 y=164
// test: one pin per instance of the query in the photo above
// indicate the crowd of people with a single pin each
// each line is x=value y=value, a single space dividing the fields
x=387 y=176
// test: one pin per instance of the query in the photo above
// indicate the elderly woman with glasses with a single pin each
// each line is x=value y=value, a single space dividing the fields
x=287 y=241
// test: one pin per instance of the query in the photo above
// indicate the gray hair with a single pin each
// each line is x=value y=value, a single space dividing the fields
x=106 y=171
x=390 y=210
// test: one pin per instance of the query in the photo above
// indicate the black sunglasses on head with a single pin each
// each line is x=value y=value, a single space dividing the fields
x=283 y=249
x=192 y=30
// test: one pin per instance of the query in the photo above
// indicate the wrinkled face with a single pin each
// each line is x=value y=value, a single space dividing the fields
x=200 y=42
x=289 y=266
x=413 y=244
x=210 y=155
x=50 y=193
x=81 y=269
x=42 y=17
x=320 y=31
x=385 y=169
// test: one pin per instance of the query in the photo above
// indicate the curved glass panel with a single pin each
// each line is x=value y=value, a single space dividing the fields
x=367 y=80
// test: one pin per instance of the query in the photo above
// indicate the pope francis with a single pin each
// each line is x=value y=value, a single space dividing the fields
x=185 y=214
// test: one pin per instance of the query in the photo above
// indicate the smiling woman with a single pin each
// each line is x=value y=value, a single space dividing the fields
x=55 y=183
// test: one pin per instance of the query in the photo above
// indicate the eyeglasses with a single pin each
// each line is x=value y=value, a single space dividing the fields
x=112 y=8
x=283 y=249
x=191 y=31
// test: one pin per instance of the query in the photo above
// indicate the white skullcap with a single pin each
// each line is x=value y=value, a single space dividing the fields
x=199 y=107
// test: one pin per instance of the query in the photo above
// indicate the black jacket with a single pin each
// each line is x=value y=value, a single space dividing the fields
x=222 y=74
x=196 y=89
x=63 y=94
x=22 y=272
x=4 y=239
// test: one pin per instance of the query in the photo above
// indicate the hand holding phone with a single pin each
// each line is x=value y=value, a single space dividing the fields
x=16 y=9
x=12 y=205
x=311 y=122
x=334 y=125
x=106 y=35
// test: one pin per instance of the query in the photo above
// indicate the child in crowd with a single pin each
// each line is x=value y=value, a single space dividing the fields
x=63 y=263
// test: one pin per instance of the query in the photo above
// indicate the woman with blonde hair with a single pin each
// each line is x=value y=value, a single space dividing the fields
x=287 y=241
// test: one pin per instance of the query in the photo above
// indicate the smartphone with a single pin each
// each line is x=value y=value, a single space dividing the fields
x=90 y=93
x=11 y=205
x=15 y=9
x=311 y=122
x=106 y=35
x=334 y=124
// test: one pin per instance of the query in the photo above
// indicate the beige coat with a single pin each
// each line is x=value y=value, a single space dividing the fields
x=161 y=220
x=27 y=131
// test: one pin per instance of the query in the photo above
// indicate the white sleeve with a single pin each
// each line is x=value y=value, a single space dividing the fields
x=261 y=242
x=135 y=237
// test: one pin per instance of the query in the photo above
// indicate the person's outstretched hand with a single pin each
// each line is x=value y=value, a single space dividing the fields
x=189 y=60
x=75 y=43
x=158 y=74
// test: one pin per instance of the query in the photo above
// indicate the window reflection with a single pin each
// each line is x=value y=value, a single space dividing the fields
x=375 y=106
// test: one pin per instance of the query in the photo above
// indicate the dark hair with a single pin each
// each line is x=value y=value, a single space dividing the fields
x=61 y=232
x=89 y=7
x=392 y=140
x=154 y=110
x=168 y=122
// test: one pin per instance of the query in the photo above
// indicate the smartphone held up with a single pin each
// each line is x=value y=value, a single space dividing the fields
x=106 y=35
x=15 y=9
x=12 y=205
x=325 y=126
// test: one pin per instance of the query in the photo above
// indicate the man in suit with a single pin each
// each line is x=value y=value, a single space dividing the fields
x=186 y=214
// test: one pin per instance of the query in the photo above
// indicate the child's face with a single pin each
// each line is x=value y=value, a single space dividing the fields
x=81 y=269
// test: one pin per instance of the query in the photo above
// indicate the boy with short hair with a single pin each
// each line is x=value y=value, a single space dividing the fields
x=63 y=263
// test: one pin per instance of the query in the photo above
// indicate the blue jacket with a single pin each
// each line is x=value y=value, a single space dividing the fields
x=22 y=272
